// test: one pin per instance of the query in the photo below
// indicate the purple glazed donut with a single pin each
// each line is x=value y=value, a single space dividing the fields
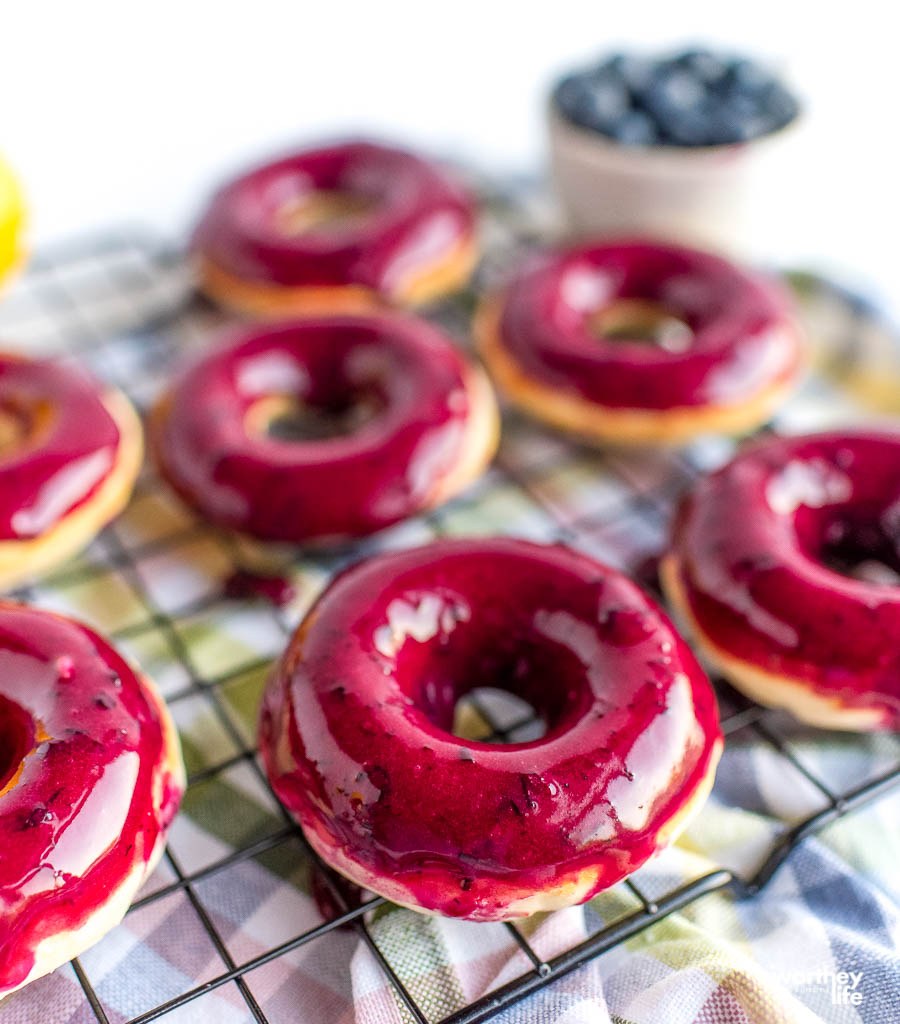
x=70 y=451
x=414 y=424
x=353 y=226
x=355 y=728
x=640 y=342
x=90 y=779
x=785 y=563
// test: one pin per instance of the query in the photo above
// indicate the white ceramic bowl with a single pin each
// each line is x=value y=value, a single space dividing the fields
x=709 y=196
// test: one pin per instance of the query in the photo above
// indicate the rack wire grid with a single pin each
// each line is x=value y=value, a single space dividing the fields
x=154 y=581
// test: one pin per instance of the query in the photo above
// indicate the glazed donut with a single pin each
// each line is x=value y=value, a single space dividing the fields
x=634 y=342
x=90 y=778
x=785 y=564
x=393 y=421
x=12 y=218
x=347 y=227
x=70 y=452
x=355 y=728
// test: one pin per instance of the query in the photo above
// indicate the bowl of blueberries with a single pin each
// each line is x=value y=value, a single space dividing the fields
x=668 y=145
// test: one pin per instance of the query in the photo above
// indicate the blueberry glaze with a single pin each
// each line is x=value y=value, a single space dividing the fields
x=243 y=584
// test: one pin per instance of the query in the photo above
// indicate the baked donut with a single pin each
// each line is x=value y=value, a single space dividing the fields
x=346 y=227
x=326 y=428
x=70 y=452
x=785 y=564
x=90 y=779
x=635 y=342
x=355 y=728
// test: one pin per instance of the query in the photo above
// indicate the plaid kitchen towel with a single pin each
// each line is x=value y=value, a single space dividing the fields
x=233 y=927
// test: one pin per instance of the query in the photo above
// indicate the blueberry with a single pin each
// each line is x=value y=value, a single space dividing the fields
x=675 y=91
x=635 y=129
x=729 y=124
x=573 y=97
x=687 y=127
x=592 y=100
x=742 y=118
x=634 y=72
x=779 y=106
x=679 y=103
x=749 y=78
x=704 y=65
x=735 y=119
x=39 y=816
x=610 y=94
x=693 y=98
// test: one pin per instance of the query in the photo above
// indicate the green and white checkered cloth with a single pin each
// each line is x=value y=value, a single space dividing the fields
x=818 y=943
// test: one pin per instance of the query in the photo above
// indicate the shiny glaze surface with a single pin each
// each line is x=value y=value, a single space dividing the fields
x=68 y=448
x=419 y=216
x=741 y=340
x=382 y=471
x=757 y=543
x=79 y=812
x=354 y=724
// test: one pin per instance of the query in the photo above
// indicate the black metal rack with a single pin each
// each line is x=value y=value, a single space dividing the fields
x=57 y=308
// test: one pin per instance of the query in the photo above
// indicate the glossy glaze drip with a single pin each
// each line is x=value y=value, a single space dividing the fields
x=354 y=726
x=756 y=545
x=646 y=572
x=418 y=216
x=62 y=448
x=340 y=486
x=741 y=344
x=243 y=584
x=327 y=903
x=81 y=812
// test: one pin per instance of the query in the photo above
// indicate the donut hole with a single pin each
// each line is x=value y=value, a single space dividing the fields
x=17 y=734
x=22 y=424
x=331 y=210
x=493 y=715
x=527 y=681
x=642 y=321
x=860 y=542
x=290 y=419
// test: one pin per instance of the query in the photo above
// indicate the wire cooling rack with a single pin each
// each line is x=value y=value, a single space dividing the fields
x=154 y=582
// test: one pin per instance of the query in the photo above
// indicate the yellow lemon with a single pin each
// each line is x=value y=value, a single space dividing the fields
x=12 y=220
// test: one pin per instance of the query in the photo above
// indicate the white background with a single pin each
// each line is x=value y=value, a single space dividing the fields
x=128 y=111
